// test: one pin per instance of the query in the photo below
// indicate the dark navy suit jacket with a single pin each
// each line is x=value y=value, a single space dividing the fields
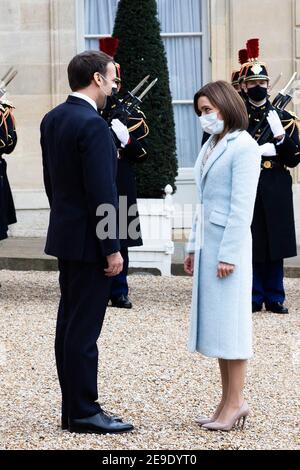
x=80 y=164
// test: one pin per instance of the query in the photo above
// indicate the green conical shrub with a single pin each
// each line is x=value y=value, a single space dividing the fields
x=141 y=52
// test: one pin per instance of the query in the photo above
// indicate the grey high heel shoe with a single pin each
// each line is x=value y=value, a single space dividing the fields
x=204 y=420
x=242 y=414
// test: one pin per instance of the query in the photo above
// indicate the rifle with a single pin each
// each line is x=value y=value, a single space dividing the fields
x=280 y=102
x=123 y=108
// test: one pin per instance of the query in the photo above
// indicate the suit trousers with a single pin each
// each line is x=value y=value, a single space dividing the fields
x=84 y=297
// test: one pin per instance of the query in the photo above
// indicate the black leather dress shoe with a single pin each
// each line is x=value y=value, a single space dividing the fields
x=277 y=307
x=65 y=421
x=256 y=307
x=121 y=302
x=98 y=424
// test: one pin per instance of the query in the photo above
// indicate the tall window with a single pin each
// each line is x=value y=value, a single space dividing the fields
x=183 y=30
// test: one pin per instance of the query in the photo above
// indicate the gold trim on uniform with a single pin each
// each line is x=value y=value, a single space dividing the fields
x=137 y=125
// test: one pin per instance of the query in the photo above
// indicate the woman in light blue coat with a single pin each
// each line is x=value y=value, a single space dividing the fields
x=219 y=252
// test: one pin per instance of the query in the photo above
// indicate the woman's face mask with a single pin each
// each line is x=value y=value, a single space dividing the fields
x=211 y=124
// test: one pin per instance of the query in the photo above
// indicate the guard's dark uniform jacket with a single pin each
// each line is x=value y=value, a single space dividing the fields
x=273 y=226
x=8 y=141
x=134 y=152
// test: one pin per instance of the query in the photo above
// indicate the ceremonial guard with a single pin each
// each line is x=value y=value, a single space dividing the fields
x=130 y=131
x=8 y=141
x=273 y=227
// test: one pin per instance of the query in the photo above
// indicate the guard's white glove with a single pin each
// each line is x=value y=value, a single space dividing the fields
x=268 y=150
x=275 y=124
x=121 y=131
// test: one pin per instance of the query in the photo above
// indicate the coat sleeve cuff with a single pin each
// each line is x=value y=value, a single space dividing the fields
x=228 y=258
x=189 y=248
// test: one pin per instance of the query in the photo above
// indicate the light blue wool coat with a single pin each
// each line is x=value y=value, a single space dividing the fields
x=221 y=313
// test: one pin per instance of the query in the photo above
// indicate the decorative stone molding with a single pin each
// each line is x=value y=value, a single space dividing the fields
x=221 y=43
x=62 y=45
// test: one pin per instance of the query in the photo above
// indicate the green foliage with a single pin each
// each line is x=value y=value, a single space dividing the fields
x=141 y=52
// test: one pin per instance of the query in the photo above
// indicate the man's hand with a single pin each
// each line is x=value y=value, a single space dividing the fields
x=225 y=269
x=189 y=264
x=115 y=264
x=121 y=131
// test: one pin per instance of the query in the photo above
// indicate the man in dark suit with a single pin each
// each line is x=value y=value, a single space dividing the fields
x=80 y=162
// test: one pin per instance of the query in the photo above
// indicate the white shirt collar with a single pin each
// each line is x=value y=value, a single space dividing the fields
x=258 y=105
x=85 y=97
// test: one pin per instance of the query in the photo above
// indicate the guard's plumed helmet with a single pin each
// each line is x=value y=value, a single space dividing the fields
x=109 y=45
x=254 y=69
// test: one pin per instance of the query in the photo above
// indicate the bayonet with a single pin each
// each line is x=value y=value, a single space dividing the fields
x=7 y=73
x=144 y=93
x=10 y=78
x=139 y=86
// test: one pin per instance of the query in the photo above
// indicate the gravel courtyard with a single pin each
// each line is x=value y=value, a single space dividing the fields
x=145 y=372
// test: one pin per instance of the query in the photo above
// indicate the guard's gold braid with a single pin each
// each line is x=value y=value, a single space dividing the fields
x=12 y=117
x=134 y=127
x=143 y=154
x=146 y=127
x=291 y=123
x=137 y=125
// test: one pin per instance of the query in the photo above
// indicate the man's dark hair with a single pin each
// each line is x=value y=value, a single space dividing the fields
x=83 y=66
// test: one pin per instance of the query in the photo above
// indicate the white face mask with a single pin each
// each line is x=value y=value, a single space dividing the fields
x=114 y=90
x=211 y=124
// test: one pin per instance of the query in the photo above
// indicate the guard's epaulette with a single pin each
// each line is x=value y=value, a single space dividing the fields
x=295 y=118
x=291 y=123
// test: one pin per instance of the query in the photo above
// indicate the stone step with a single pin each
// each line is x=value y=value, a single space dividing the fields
x=27 y=254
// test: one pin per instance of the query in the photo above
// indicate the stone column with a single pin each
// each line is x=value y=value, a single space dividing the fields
x=221 y=42
x=62 y=45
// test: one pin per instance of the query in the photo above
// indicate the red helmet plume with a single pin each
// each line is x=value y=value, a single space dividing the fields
x=109 y=45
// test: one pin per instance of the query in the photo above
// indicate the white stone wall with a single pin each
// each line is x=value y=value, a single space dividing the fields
x=38 y=38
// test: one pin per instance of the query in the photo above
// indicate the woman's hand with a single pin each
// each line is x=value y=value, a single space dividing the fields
x=189 y=264
x=225 y=269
